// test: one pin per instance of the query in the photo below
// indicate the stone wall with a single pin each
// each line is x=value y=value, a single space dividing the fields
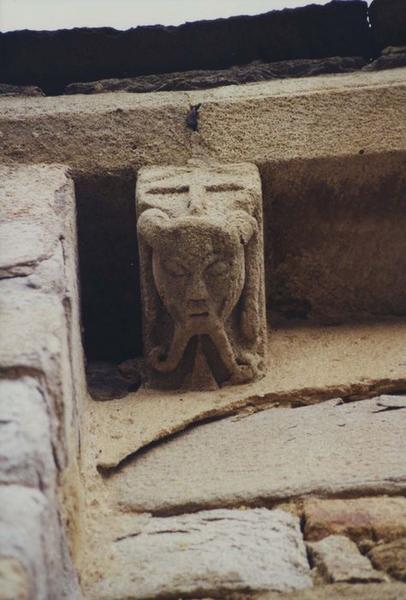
x=41 y=382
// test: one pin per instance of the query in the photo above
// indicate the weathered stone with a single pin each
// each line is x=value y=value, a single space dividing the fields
x=236 y=75
x=271 y=455
x=26 y=456
x=54 y=59
x=373 y=518
x=388 y=21
x=41 y=370
x=202 y=275
x=338 y=560
x=211 y=552
x=14 y=583
x=24 y=516
x=390 y=557
x=20 y=90
x=392 y=58
x=355 y=360
x=106 y=382
x=340 y=591
x=114 y=131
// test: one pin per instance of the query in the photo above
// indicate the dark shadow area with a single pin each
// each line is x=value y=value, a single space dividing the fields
x=108 y=260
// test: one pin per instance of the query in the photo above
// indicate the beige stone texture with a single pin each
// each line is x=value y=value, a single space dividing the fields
x=13 y=580
x=303 y=118
x=112 y=131
x=340 y=591
x=390 y=557
x=276 y=120
x=334 y=251
x=361 y=519
x=210 y=553
x=271 y=456
x=306 y=364
x=338 y=560
x=26 y=450
x=41 y=378
x=202 y=275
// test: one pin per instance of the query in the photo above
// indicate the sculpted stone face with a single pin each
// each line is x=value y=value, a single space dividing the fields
x=199 y=273
x=202 y=277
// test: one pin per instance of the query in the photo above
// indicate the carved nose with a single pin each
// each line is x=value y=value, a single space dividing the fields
x=198 y=291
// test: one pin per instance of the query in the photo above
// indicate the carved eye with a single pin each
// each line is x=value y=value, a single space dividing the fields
x=175 y=268
x=217 y=268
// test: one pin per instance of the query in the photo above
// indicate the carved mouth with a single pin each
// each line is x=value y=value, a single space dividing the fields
x=199 y=314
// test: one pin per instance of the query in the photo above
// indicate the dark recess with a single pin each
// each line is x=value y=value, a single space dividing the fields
x=108 y=260
x=388 y=22
x=52 y=60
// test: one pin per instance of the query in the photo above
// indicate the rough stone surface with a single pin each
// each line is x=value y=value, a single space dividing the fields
x=212 y=552
x=333 y=249
x=202 y=275
x=20 y=90
x=41 y=380
x=321 y=116
x=390 y=557
x=24 y=517
x=264 y=123
x=26 y=450
x=236 y=75
x=380 y=518
x=338 y=560
x=272 y=455
x=306 y=364
x=113 y=131
x=13 y=580
x=392 y=58
x=363 y=591
x=54 y=59
x=388 y=21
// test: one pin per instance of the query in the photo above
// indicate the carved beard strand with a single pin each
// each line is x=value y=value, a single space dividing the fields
x=217 y=333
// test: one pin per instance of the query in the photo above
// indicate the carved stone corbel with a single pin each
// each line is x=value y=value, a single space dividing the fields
x=202 y=276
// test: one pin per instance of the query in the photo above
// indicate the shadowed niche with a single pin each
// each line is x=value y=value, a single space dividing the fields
x=108 y=260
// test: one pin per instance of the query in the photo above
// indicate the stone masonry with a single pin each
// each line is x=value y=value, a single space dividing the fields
x=289 y=487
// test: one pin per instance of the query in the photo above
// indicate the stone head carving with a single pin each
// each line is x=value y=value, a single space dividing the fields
x=202 y=263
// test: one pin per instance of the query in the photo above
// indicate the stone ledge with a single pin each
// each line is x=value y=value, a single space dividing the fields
x=267 y=457
x=260 y=122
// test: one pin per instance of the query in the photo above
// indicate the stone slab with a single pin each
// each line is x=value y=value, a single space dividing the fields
x=304 y=118
x=41 y=373
x=338 y=560
x=23 y=515
x=26 y=456
x=270 y=456
x=340 y=591
x=211 y=552
x=237 y=123
x=113 y=131
x=204 y=79
x=306 y=364
x=361 y=519
x=390 y=557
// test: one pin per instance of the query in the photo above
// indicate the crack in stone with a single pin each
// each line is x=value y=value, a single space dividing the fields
x=254 y=404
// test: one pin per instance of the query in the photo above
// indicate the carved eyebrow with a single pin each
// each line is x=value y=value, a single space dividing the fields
x=181 y=189
x=224 y=187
